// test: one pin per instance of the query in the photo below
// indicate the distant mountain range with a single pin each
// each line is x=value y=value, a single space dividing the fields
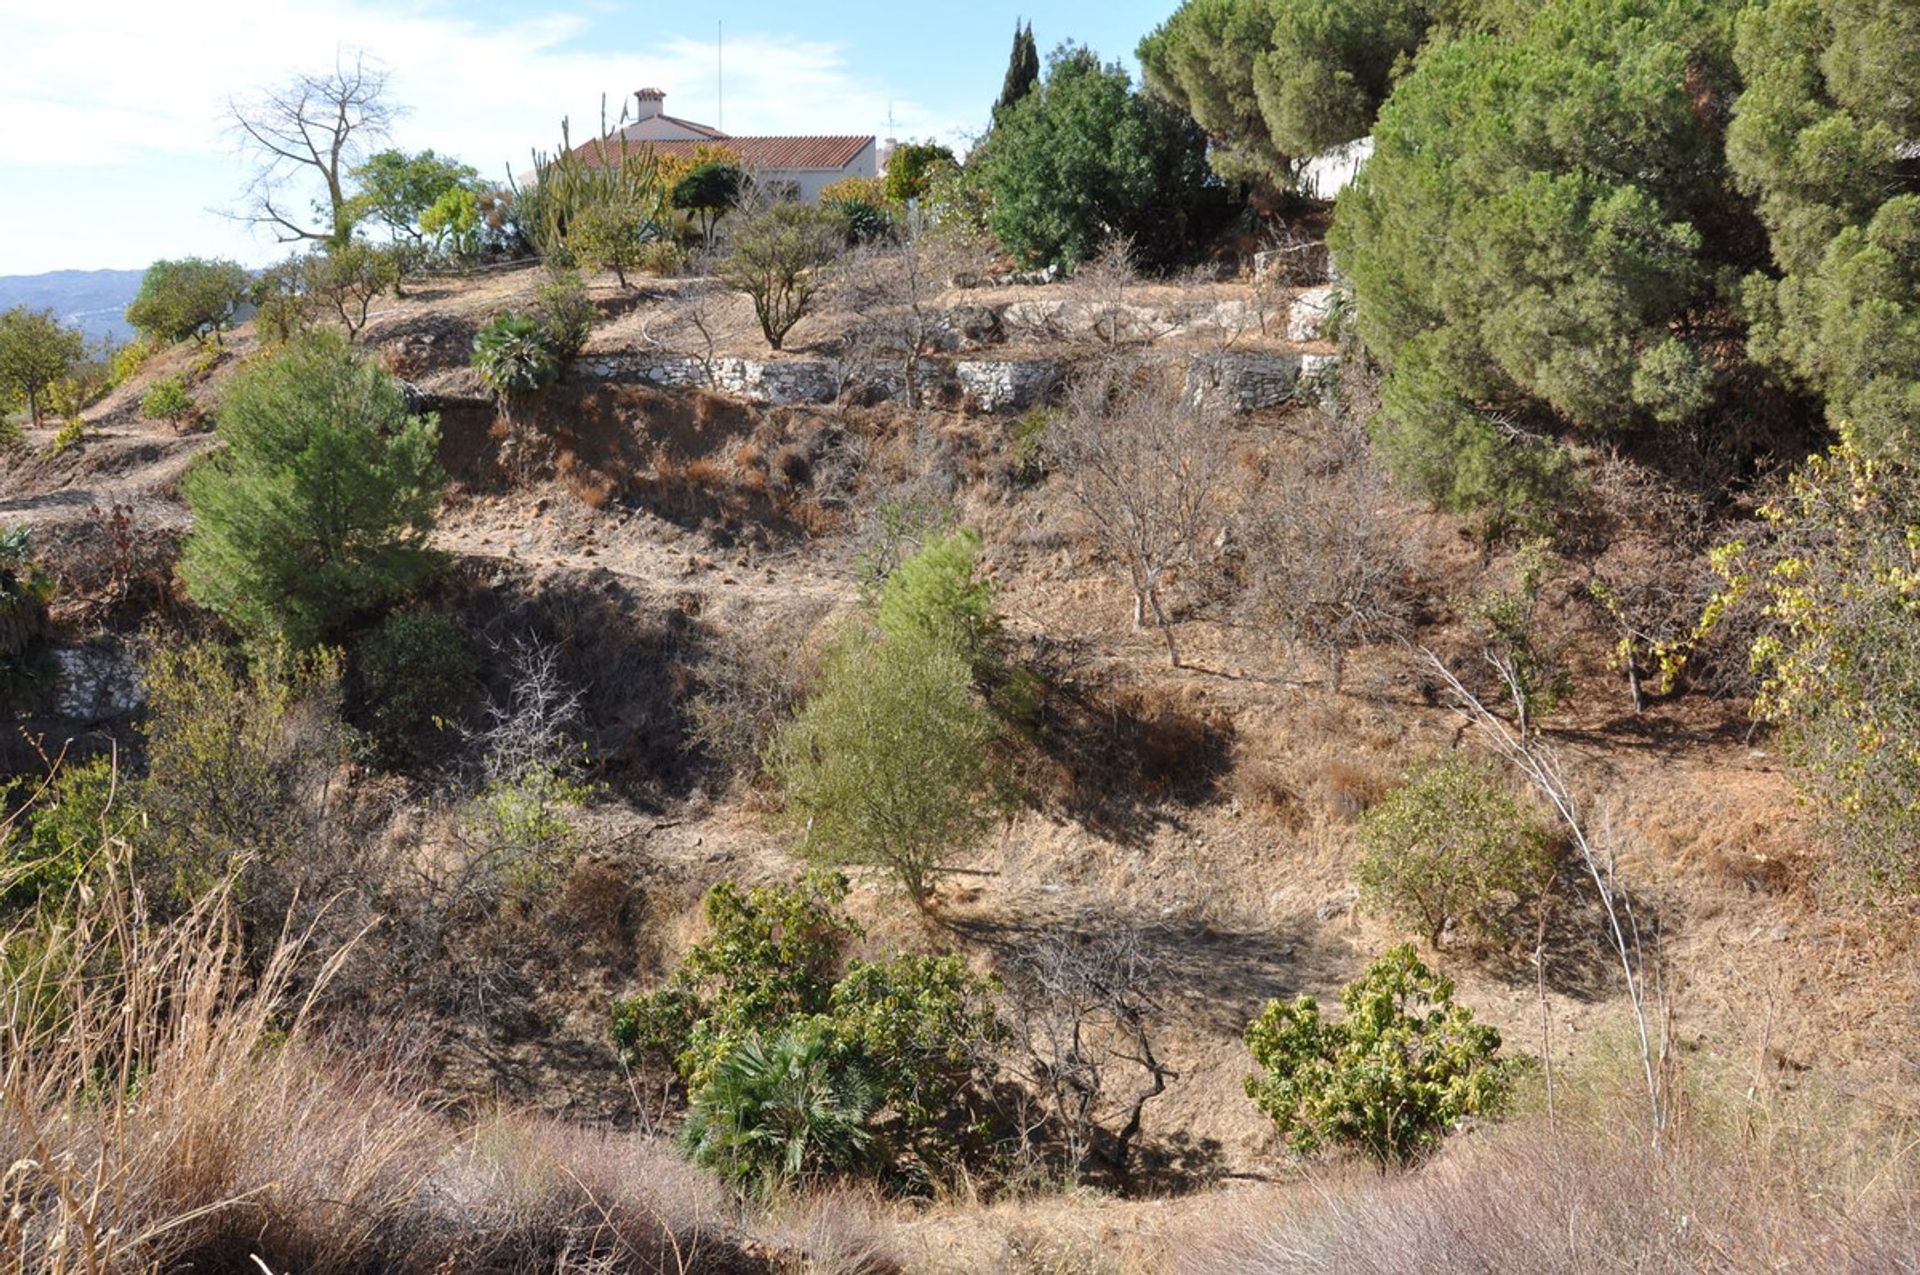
x=95 y=301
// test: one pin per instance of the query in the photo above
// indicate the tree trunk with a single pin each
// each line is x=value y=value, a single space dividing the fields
x=1166 y=627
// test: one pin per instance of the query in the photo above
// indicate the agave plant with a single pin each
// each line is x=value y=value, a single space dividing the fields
x=780 y=1112
x=514 y=355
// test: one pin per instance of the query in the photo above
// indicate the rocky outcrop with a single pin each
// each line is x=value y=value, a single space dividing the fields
x=776 y=382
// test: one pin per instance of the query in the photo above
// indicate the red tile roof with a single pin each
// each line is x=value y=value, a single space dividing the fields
x=756 y=152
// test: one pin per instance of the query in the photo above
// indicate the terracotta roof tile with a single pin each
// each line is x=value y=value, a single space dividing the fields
x=758 y=152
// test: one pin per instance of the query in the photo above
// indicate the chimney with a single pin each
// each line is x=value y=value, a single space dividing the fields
x=651 y=103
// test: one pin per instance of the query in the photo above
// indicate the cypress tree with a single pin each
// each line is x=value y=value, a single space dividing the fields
x=1023 y=71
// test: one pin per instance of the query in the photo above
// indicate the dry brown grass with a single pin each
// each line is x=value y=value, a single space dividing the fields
x=1527 y=1201
x=163 y=1109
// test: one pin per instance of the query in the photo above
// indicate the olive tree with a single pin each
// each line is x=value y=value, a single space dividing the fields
x=191 y=296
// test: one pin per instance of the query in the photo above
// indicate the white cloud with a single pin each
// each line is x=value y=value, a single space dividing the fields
x=121 y=82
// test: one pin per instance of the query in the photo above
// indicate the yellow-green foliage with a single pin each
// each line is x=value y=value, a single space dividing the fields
x=1451 y=846
x=1404 y=1066
x=1837 y=572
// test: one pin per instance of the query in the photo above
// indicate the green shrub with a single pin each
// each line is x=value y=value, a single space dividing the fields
x=128 y=359
x=566 y=312
x=770 y=956
x=782 y=1112
x=863 y=222
x=168 y=399
x=1083 y=158
x=319 y=507
x=710 y=191
x=776 y=259
x=1028 y=454
x=71 y=826
x=902 y=1048
x=515 y=355
x=911 y=167
x=1405 y=1066
x=188 y=297
x=236 y=754
x=890 y=762
x=664 y=258
x=1451 y=846
x=937 y=593
x=415 y=673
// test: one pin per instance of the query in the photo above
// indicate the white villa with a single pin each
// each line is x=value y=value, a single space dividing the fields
x=804 y=163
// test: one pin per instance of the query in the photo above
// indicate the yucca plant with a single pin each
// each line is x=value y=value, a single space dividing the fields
x=782 y=1112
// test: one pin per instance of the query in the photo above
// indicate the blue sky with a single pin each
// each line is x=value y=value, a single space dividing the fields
x=113 y=149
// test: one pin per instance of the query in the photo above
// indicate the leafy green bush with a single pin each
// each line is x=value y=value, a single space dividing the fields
x=776 y=260
x=235 y=755
x=900 y=1048
x=168 y=399
x=318 y=508
x=1451 y=846
x=188 y=297
x=1538 y=226
x=515 y=355
x=415 y=672
x=863 y=222
x=79 y=819
x=938 y=593
x=1405 y=1066
x=911 y=167
x=771 y=955
x=1084 y=158
x=890 y=762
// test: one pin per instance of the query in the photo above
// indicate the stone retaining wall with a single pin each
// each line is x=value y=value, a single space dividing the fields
x=1244 y=381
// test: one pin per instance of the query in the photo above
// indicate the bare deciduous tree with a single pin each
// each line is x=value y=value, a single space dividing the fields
x=1082 y=1011
x=313 y=128
x=1147 y=470
x=1323 y=566
x=896 y=292
x=1101 y=284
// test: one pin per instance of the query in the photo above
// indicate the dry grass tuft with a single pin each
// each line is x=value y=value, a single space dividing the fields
x=1527 y=1202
